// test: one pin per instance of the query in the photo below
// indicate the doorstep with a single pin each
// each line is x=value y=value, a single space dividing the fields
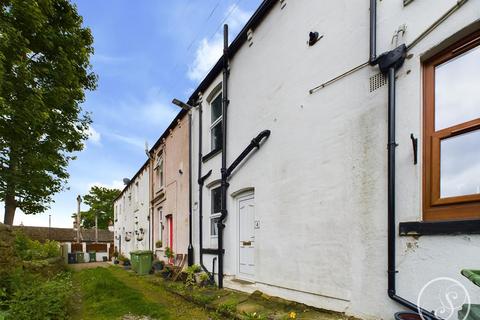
x=234 y=304
x=239 y=284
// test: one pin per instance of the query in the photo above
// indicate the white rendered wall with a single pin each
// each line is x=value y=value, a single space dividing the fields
x=133 y=215
x=320 y=180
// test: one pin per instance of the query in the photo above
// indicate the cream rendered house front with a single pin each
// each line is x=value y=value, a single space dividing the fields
x=169 y=192
x=307 y=212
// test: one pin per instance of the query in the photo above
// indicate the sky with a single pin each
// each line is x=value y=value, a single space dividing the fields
x=146 y=53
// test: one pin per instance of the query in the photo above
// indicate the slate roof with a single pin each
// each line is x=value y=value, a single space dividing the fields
x=64 y=234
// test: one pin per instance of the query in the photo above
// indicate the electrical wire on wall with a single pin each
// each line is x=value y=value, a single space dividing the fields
x=417 y=40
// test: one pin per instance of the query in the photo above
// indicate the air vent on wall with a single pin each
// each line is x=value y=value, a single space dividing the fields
x=377 y=81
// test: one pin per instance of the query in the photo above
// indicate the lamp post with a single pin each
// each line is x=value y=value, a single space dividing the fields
x=188 y=108
x=79 y=201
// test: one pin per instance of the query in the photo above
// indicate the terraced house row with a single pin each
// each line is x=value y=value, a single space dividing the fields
x=331 y=157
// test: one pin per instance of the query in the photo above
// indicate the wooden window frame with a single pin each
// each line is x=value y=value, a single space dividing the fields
x=436 y=208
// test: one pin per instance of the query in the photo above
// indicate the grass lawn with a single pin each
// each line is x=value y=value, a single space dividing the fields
x=111 y=293
x=103 y=296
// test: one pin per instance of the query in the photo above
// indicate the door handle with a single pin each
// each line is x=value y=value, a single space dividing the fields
x=247 y=243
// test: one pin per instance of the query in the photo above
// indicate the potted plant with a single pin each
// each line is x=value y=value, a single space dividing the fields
x=140 y=234
x=158 y=244
x=115 y=256
x=121 y=258
x=204 y=279
x=192 y=275
x=126 y=264
x=158 y=265
x=166 y=271
x=169 y=253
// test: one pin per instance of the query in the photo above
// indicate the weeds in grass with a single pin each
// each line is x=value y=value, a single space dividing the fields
x=227 y=308
x=253 y=316
x=106 y=297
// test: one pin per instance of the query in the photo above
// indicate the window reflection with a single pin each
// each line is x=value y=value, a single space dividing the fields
x=457 y=96
x=460 y=165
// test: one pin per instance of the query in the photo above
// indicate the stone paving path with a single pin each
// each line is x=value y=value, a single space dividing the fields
x=89 y=265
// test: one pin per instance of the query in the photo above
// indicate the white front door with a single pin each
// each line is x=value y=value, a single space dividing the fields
x=246 y=214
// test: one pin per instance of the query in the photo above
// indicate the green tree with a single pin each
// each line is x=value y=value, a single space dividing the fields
x=100 y=200
x=44 y=72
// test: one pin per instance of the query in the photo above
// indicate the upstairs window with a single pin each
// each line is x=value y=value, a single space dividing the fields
x=452 y=132
x=159 y=172
x=216 y=206
x=216 y=123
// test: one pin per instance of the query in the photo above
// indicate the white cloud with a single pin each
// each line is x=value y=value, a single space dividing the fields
x=154 y=108
x=134 y=141
x=210 y=50
x=115 y=184
x=237 y=18
x=94 y=136
x=207 y=54
x=156 y=112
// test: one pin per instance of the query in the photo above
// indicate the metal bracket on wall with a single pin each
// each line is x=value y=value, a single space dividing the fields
x=415 y=148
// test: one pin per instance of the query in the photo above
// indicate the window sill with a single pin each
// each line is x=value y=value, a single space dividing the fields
x=423 y=228
x=211 y=154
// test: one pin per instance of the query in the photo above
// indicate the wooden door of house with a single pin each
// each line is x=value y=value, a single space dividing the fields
x=246 y=217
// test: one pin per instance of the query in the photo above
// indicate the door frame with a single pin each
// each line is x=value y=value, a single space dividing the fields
x=169 y=239
x=247 y=195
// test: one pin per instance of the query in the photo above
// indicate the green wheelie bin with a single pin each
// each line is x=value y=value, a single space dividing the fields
x=145 y=260
x=80 y=257
x=134 y=259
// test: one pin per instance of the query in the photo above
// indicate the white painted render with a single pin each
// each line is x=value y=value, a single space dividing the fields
x=320 y=180
x=131 y=215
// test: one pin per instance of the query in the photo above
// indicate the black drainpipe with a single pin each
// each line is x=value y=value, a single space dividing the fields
x=373 y=32
x=190 y=215
x=223 y=170
x=389 y=63
x=201 y=181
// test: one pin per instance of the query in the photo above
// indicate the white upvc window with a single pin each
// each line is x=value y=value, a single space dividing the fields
x=216 y=205
x=159 y=171
x=216 y=133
